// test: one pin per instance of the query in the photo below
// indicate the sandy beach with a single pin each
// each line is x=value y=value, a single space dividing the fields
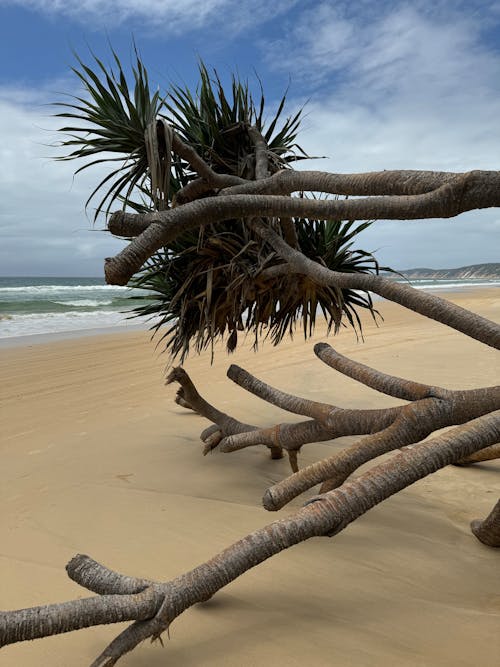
x=98 y=459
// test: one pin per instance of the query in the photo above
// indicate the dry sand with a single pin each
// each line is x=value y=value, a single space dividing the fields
x=96 y=458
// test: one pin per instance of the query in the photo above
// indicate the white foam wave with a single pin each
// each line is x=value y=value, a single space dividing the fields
x=85 y=303
x=37 y=289
x=445 y=285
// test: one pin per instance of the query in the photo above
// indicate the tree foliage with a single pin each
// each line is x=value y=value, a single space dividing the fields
x=214 y=282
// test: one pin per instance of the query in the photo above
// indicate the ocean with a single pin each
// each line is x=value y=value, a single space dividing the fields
x=56 y=305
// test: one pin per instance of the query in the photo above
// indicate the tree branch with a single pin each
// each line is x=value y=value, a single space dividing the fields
x=488 y=531
x=487 y=454
x=386 y=384
x=327 y=514
x=413 y=423
x=426 y=304
x=261 y=164
x=466 y=192
x=370 y=184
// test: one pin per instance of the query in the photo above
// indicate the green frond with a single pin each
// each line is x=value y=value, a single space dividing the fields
x=211 y=283
x=111 y=122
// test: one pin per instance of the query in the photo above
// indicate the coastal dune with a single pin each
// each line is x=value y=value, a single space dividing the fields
x=98 y=459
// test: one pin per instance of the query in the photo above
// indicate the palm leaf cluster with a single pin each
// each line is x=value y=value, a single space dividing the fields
x=216 y=126
x=211 y=283
x=111 y=128
x=214 y=286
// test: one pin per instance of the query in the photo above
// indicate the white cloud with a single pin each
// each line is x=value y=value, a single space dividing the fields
x=412 y=88
x=172 y=16
x=393 y=90
x=43 y=226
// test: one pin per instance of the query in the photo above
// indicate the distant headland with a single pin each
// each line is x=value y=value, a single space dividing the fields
x=489 y=271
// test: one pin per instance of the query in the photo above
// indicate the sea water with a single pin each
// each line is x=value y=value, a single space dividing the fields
x=53 y=305
x=56 y=305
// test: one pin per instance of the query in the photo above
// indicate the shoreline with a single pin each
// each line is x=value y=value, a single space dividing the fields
x=27 y=340
x=97 y=458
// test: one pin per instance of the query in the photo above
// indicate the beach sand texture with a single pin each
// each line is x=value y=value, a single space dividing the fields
x=96 y=458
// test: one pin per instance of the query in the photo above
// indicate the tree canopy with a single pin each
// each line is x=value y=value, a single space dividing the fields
x=219 y=279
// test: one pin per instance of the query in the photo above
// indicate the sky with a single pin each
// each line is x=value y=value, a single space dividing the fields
x=386 y=85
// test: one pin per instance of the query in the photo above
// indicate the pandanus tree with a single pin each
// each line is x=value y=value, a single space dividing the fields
x=226 y=237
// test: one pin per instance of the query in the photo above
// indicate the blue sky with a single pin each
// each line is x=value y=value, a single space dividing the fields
x=388 y=85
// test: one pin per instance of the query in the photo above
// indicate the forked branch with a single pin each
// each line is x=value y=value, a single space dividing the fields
x=157 y=605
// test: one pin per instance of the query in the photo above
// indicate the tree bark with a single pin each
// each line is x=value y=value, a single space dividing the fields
x=488 y=531
x=157 y=606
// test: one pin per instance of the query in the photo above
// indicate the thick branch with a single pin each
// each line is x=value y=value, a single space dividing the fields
x=285 y=436
x=197 y=403
x=261 y=165
x=426 y=304
x=487 y=454
x=324 y=515
x=56 y=619
x=414 y=422
x=330 y=421
x=289 y=402
x=386 y=384
x=488 y=531
x=99 y=579
x=289 y=232
x=225 y=424
x=466 y=192
x=377 y=183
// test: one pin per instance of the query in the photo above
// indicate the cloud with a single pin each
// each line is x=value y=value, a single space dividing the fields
x=410 y=87
x=400 y=87
x=172 y=16
x=43 y=226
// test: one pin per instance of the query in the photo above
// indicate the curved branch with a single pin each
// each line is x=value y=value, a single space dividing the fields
x=337 y=468
x=199 y=165
x=328 y=514
x=413 y=423
x=386 y=384
x=488 y=530
x=426 y=304
x=189 y=395
x=289 y=402
x=487 y=454
x=376 y=183
x=193 y=190
x=99 y=579
x=223 y=424
x=466 y=192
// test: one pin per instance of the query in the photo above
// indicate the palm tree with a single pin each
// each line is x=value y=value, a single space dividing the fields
x=215 y=282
